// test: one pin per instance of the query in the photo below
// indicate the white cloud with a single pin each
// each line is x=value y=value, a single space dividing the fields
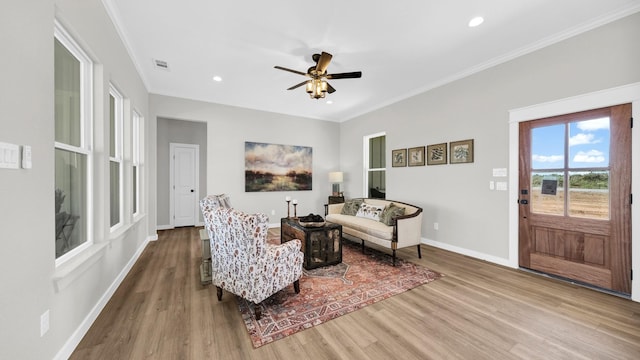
x=593 y=125
x=591 y=156
x=547 y=158
x=581 y=139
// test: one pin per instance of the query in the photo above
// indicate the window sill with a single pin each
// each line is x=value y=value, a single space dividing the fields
x=66 y=273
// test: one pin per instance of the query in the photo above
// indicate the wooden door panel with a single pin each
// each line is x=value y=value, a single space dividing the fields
x=595 y=249
x=597 y=276
x=590 y=245
x=548 y=241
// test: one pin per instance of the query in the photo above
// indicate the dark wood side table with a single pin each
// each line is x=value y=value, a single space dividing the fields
x=336 y=199
x=322 y=246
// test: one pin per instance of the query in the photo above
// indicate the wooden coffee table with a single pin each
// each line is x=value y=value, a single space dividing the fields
x=322 y=246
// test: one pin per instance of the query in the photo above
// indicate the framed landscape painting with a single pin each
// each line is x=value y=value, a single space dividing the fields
x=416 y=156
x=399 y=157
x=461 y=151
x=273 y=167
x=437 y=154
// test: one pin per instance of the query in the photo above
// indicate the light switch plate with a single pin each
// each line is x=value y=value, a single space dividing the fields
x=9 y=156
x=499 y=172
x=26 y=157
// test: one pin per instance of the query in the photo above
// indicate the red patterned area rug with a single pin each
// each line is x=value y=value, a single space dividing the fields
x=329 y=292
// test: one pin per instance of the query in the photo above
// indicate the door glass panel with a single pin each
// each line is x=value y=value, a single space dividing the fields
x=547 y=193
x=547 y=147
x=589 y=194
x=589 y=143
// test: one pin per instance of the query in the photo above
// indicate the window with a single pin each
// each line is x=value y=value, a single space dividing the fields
x=73 y=71
x=137 y=119
x=570 y=169
x=375 y=166
x=116 y=121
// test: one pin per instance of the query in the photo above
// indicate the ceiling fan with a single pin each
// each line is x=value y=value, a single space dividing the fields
x=317 y=86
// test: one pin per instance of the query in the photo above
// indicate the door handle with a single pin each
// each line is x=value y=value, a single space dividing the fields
x=192 y=190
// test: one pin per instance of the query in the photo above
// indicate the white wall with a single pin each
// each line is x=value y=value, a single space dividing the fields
x=227 y=130
x=473 y=219
x=30 y=282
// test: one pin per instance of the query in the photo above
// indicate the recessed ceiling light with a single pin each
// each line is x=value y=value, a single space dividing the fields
x=476 y=21
x=217 y=78
x=329 y=102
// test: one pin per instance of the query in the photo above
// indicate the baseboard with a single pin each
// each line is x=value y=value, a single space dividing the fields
x=164 y=227
x=71 y=344
x=470 y=253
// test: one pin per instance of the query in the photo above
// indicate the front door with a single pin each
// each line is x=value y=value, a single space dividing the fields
x=575 y=197
x=184 y=158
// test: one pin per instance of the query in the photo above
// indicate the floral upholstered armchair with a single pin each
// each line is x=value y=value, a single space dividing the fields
x=243 y=263
x=214 y=201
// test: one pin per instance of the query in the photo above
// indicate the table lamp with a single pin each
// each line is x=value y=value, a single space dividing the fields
x=335 y=178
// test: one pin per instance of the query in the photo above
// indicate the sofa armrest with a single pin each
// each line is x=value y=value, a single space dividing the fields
x=333 y=208
x=408 y=229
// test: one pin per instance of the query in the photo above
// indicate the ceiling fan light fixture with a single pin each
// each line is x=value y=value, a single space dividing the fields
x=317 y=86
x=323 y=86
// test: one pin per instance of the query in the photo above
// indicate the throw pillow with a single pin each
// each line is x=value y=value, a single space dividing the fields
x=351 y=207
x=390 y=212
x=370 y=211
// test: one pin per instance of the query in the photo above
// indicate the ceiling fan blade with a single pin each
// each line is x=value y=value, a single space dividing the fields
x=330 y=89
x=349 y=75
x=298 y=85
x=323 y=62
x=293 y=71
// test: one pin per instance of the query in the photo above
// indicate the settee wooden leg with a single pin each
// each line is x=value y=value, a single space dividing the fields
x=419 y=253
x=257 y=310
x=296 y=286
x=394 y=257
x=219 y=292
x=363 y=246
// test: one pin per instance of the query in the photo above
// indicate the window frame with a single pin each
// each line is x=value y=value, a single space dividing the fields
x=86 y=133
x=366 y=168
x=136 y=124
x=118 y=155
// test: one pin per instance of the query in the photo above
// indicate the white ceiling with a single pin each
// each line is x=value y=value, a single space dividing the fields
x=402 y=47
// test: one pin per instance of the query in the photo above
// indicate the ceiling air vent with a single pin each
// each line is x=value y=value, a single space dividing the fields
x=161 y=64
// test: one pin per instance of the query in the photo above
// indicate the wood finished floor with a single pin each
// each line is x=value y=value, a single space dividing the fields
x=477 y=311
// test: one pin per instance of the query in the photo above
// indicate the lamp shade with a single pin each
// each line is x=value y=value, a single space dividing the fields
x=335 y=177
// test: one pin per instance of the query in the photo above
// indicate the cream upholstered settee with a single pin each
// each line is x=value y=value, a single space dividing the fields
x=242 y=262
x=391 y=224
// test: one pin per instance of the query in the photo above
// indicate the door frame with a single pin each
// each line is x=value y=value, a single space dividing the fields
x=599 y=99
x=172 y=190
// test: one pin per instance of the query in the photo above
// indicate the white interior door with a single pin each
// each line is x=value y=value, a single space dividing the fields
x=184 y=176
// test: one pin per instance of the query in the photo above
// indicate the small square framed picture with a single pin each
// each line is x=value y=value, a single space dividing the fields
x=437 y=154
x=461 y=152
x=416 y=156
x=399 y=157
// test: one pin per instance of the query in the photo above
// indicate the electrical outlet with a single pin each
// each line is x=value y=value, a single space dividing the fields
x=273 y=212
x=435 y=226
x=44 y=323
